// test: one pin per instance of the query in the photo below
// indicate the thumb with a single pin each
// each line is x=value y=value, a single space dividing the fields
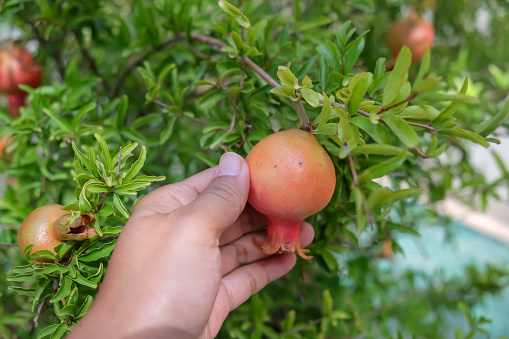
x=222 y=202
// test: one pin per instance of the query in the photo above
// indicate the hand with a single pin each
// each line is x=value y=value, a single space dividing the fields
x=186 y=259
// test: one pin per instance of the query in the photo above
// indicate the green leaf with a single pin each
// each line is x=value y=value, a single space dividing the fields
x=358 y=87
x=453 y=107
x=23 y=291
x=105 y=152
x=137 y=166
x=43 y=254
x=353 y=51
x=228 y=8
x=47 y=331
x=68 y=310
x=81 y=112
x=324 y=73
x=379 y=68
x=424 y=68
x=59 y=121
x=60 y=331
x=383 y=168
x=327 y=303
x=126 y=151
x=397 y=77
x=376 y=149
x=288 y=80
x=325 y=114
x=121 y=111
x=402 y=130
x=402 y=229
x=465 y=134
x=237 y=40
x=119 y=205
x=421 y=112
x=83 y=159
x=307 y=67
x=487 y=127
x=360 y=215
x=83 y=281
x=64 y=290
x=377 y=132
x=85 y=307
x=310 y=96
x=98 y=253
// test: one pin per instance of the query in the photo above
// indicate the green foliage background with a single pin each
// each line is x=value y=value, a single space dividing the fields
x=148 y=72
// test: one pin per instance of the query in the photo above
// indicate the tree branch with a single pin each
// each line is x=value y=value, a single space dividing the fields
x=299 y=108
x=366 y=114
x=136 y=61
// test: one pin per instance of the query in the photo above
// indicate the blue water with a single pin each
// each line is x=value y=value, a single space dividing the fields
x=433 y=252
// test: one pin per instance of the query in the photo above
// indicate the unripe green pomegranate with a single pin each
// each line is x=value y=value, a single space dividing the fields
x=413 y=32
x=292 y=177
x=46 y=227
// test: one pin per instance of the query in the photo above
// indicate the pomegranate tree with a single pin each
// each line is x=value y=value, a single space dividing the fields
x=292 y=177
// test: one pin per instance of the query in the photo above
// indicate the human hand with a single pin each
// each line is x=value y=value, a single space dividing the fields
x=186 y=259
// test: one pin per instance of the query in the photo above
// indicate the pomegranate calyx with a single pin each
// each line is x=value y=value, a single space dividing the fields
x=78 y=230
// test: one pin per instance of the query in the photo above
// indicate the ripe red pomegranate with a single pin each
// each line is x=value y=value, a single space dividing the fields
x=413 y=32
x=46 y=228
x=292 y=177
x=17 y=67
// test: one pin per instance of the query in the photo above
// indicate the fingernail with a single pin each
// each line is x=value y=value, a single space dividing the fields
x=229 y=164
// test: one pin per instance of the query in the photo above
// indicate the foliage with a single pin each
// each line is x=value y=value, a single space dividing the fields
x=191 y=79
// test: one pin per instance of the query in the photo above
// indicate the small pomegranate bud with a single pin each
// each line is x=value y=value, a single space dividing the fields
x=292 y=177
x=46 y=227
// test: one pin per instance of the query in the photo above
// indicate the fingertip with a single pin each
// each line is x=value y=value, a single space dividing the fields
x=278 y=266
x=307 y=234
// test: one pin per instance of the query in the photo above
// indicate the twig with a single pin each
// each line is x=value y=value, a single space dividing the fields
x=39 y=311
x=235 y=111
x=420 y=153
x=100 y=165
x=119 y=160
x=196 y=52
x=103 y=200
x=8 y=244
x=366 y=114
x=427 y=126
x=385 y=109
x=162 y=104
x=356 y=183
x=352 y=169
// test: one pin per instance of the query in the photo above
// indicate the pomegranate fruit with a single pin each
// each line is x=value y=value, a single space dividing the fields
x=46 y=227
x=4 y=142
x=413 y=32
x=17 y=67
x=15 y=102
x=292 y=177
